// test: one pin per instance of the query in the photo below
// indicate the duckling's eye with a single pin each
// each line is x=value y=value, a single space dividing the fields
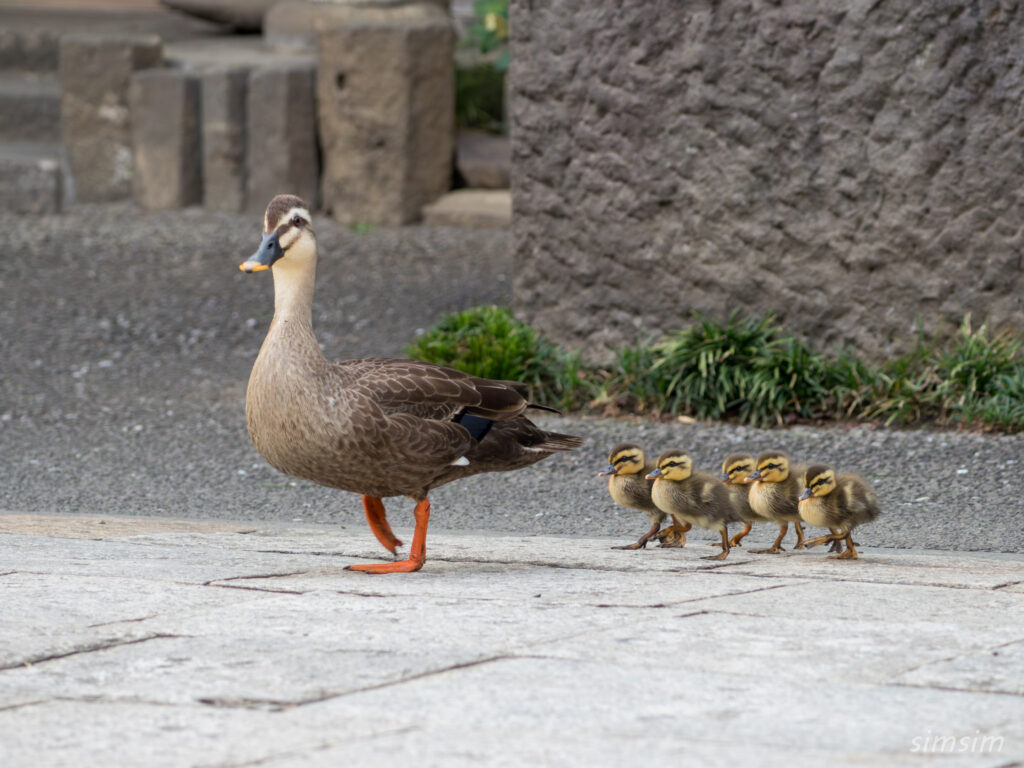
x=297 y=221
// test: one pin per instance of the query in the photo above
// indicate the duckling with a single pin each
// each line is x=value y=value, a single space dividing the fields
x=629 y=487
x=735 y=470
x=774 y=494
x=692 y=497
x=839 y=503
x=374 y=426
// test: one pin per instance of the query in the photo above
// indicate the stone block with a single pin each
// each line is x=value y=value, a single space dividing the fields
x=223 y=97
x=471 y=209
x=29 y=107
x=484 y=160
x=298 y=23
x=281 y=135
x=95 y=73
x=30 y=178
x=386 y=107
x=165 y=139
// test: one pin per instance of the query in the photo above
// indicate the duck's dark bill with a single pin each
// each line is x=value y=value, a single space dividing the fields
x=268 y=252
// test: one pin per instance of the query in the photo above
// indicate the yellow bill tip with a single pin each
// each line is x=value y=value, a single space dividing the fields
x=252 y=266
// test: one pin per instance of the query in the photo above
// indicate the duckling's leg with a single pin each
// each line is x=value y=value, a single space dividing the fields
x=850 y=553
x=834 y=537
x=800 y=543
x=417 y=552
x=378 y=521
x=725 y=547
x=641 y=543
x=837 y=541
x=735 y=540
x=674 y=535
x=776 y=546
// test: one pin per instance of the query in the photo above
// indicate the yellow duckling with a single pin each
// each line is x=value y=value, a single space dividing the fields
x=629 y=487
x=774 y=495
x=693 y=498
x=735 y=470
x=839 y=503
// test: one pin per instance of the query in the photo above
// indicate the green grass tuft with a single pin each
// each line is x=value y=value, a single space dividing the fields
x=489 y=342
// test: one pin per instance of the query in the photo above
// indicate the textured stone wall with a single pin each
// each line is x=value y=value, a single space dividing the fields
x=851 y=170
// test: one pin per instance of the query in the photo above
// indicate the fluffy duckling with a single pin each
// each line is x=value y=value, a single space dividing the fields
x=839 y=503
x=694 y=498
x=774 y=495
x=378 y=427
x=629 y=487
x=735 y=470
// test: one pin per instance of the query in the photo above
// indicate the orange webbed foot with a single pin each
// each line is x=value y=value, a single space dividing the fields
x=417 y=552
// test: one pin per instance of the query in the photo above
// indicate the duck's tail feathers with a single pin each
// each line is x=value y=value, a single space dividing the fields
x=556 y=443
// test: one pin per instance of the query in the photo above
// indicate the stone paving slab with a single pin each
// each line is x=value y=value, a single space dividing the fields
x=129 y=642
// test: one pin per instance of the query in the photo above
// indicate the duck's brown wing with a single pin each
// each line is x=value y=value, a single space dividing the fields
x=431 y=391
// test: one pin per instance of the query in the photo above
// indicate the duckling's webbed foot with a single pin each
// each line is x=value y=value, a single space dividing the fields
x=674 y=536
x=417 y=552
x=776 y=546
x=378 y=521
x=641 y=543
x=736 y=540
x=725 y=548
x=849 y=554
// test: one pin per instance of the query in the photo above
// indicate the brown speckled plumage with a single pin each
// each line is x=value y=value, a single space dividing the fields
x=378 y=427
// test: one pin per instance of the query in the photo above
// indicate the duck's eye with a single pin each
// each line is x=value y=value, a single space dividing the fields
x=297 y=221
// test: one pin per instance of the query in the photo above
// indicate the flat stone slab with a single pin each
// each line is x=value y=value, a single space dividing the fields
x=137 y=641
x=471 y=209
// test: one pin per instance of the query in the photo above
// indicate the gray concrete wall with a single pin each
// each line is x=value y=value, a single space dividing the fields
x=852 y=170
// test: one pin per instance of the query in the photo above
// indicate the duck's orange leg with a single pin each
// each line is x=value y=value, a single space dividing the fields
x=378 y=521
x=417 y=552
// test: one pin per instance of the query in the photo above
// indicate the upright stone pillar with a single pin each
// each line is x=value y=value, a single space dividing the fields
x=386 y=114
x=165 y=139
x=96 y=72
x=282 y=145
x=224 y=94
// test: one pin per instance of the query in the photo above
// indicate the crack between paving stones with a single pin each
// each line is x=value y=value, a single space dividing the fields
x=999 y=586
x=955 y=656
x=122 y=621
x=282 y=704
x=256 y=589
x=675 y=603
x=923 y=687
x=91 y=648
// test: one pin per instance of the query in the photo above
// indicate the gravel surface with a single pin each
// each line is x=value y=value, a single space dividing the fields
x=127 y=337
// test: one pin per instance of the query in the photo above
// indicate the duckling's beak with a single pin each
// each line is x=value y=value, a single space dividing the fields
x=756 y=475
x=723 y=477
x=655 y=473
x=609 y=470
x=268 y=252
x=806 y=494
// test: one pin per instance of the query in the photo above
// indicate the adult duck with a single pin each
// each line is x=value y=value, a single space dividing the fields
x=375 y=426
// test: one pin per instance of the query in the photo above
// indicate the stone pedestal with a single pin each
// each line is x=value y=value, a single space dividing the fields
x=282 y=144
x=165 y=139
x=386 y=118
x=95 y=73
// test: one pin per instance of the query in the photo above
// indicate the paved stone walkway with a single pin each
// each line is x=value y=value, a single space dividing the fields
x=153 y=642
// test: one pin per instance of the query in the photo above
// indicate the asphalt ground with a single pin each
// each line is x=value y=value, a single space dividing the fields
x=126 y=340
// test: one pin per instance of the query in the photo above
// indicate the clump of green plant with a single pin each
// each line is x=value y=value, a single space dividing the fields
x=976 y=378
x=489 y=342
x=748 y=370
x=741 y=368
x=489 y=30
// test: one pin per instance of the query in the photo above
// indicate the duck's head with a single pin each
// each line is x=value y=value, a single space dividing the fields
x=287 y=234
x=819 y=480
x=673 y=466
x=772 y=467
x=625 y=459
x=737 y=467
